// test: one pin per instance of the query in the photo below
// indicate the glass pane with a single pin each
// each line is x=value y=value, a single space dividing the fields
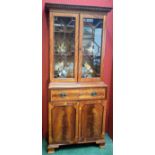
x=64 y=47
x=91 y=47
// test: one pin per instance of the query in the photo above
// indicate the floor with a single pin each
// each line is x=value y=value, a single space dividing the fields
x=91 y=149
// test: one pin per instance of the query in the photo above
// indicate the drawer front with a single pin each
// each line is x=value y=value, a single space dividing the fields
x=64 y=94
x=92 y=93
x=77 y=94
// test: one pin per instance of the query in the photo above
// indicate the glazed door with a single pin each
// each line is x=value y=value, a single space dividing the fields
x=63 y=122
x=91 y=47
x=92 y=120
x=63 y=46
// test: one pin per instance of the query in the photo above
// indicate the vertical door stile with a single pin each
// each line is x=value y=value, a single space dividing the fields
x=104 y=116
x=79 y=127
x=76 y=128
x=76 y=47
x=51 y=42
x=80 y=46
x=103 y=47
x=49 y=123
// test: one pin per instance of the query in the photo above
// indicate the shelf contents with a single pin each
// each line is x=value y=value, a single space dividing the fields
x=63 y=70
x=61 y=47
x=64 y=35
x=87 y=70
x=91 y=45
x=89 y=48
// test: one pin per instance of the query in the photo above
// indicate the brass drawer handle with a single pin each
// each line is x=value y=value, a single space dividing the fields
x=93 y=93
x=62 y=95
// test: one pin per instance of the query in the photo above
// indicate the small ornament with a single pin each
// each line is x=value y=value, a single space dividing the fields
x=90 y=48
x=59 y=66
x=64 y=73
x=88 y=67
x=61 y=48
x=87 y=71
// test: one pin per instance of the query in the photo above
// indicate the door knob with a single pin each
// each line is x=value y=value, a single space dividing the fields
x=93 y=93
x=62 y=94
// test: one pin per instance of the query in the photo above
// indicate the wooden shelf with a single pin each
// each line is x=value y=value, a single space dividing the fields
x=91 y=55
x=64 y=54
x=88 y=38
x=64 y=32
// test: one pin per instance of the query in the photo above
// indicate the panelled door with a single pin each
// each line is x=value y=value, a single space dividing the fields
x=92 y=120
x=63 y=121
x=63 y=46
x=77 y=45
x=91 y=47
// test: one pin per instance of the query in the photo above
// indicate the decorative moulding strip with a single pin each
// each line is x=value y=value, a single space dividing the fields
x=49 y=6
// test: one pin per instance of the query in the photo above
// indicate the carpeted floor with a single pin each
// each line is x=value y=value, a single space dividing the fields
x=88 y=149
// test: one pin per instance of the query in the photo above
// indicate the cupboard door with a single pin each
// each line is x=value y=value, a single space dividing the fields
x=92 y=120
x=62 y=122
x=91 y=51
x=63 y=46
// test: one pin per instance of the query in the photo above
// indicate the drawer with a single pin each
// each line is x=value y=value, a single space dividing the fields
x=77 y=94
x=64 y=94
x=92 y=93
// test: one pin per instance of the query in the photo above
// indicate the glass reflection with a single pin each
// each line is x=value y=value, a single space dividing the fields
x=91 y=46
x=64 y=37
